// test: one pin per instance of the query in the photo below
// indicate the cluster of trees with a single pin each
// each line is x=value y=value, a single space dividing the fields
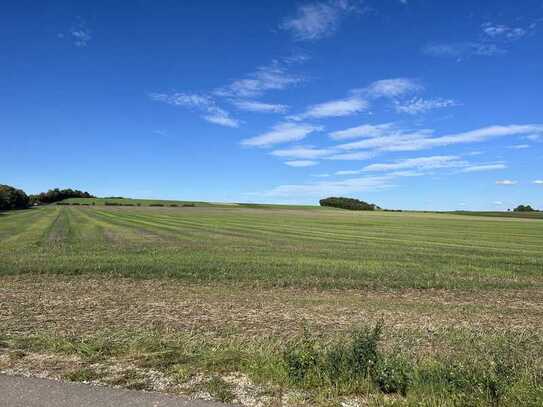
x=348 y=203
x=12 y=198
x=56 y=195
x=524 y=208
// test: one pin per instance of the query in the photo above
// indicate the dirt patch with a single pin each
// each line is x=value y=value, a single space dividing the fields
x=79 y=306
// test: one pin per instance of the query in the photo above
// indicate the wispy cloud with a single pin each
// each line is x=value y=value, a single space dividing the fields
x=365 y=130
x=538 y=181
x=313 y=21
x=484 y=167
x=422 y=139
x=419 y=105
x=391 y=88
x=301 y=152
x=494 y=39
x=502 y=32
x=328 y=188
x=506 y=182
x=356 y=156
x=347 y=186
x=211 y=112
x=301 y=163
x=255 y=106
x=282 y=133
x=81 y=37
x=419 y=163
x=271 y=77
x=519 y=146
x=334 y=108
x=221 y=117
x=461 y=50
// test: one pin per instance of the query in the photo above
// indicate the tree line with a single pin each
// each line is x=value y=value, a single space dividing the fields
x=57 y=195
x=348 y=203
x=14 y=198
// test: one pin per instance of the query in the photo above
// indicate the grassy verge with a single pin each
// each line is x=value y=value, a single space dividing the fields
x=472 y=369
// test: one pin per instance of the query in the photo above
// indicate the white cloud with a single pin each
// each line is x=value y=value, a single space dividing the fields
x=334 y=108
x=422 y=139
x=498 y=203
x=301 y=163
x=506 y=182
x=282 y=133
x=392 y=88
x=419 y=163
x=337 y=187
x=365 y=130
x=330 y=188
x=538 y=182
x=484 y=167
x=221 y=117
x=255 y=106
x=319 y=19
x=81 y=37
x=302 y=152
x=272 y=77
x=348 y=172
x=356 y=156
x=503 y=32
x=183 y=99
x=80 y=34
x=519 y=146
x=534 y=137
x=460 y=50
x=204 y=103
x=419 y=105
x=495 y=39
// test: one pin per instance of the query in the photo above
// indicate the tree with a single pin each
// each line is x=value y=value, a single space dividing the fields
x=56 y=195
x=12 y=198
x=348 y=203
x=524 y=208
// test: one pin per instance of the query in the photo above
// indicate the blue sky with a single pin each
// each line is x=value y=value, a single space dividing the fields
x=410 y=104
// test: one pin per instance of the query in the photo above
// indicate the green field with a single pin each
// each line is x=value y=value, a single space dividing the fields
x=319 y=248
x=213 y=296
x=521 y=215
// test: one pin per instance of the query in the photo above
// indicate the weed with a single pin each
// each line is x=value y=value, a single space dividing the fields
x=219 y=389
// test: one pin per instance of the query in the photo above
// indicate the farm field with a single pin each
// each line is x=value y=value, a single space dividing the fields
x=272 y=305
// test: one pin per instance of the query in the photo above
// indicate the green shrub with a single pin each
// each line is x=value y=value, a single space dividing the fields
x=310 y=362
x=393 y=374
x=300 y=358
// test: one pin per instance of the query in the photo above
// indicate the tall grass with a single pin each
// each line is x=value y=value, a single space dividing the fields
x=499 y=370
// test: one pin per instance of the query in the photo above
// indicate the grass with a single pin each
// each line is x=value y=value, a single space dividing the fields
x=496 y=214
x=276 y=247
x=280 y=306
x=500 y=369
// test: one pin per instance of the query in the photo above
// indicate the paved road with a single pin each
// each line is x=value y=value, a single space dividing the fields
x=31 y=392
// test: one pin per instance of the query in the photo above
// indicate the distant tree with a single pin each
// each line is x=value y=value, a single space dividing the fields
x=56 y=195
x=524 y=208
x=12 y=198
x=348 y=203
